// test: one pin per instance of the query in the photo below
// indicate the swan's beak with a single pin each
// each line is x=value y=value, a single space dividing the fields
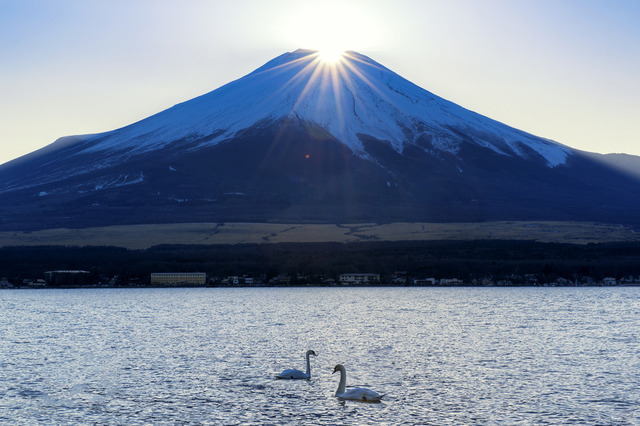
x=334 y=370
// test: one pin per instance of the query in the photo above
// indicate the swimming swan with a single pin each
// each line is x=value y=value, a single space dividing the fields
x=292 y=373
x=360 y=394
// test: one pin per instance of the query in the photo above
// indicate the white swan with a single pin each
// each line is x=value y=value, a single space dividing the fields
x=360 y=394
x=292 y=373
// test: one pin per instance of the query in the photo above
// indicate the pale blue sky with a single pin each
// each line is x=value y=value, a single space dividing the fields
x=567 y=70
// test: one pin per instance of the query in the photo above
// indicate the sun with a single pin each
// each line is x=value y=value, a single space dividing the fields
x=331 y=27
x=330 y=55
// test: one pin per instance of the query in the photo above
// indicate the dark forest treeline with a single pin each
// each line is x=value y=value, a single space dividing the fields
x=440 y=259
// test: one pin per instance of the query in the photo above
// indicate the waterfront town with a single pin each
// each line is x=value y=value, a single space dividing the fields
x=82 y=279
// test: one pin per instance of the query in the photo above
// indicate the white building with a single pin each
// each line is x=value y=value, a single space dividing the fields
x=451 y=281
x=425 y=281
x=347 y=279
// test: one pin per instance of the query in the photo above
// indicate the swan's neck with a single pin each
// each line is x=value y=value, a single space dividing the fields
x=343 y=382
x=308 y=365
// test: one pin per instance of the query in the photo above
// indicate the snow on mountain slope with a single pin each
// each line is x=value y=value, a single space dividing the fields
x=354 y=97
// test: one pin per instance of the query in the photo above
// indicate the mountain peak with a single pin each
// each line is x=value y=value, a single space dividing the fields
x=351 y=99
x=283 y=59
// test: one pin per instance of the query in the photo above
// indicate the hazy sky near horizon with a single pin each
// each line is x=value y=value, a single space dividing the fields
x=567 y=70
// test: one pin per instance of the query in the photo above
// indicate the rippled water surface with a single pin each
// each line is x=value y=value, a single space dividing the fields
x=210 y=356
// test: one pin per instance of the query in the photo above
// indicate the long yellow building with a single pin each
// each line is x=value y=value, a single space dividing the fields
x=178 y=278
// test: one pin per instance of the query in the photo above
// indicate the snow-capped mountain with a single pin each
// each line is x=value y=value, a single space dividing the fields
x=306 y=140
x=356 y=96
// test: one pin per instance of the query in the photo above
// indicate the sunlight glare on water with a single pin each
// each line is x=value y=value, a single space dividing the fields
x=210 y=356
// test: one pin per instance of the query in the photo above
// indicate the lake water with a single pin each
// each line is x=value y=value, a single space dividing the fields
x=210 y=355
